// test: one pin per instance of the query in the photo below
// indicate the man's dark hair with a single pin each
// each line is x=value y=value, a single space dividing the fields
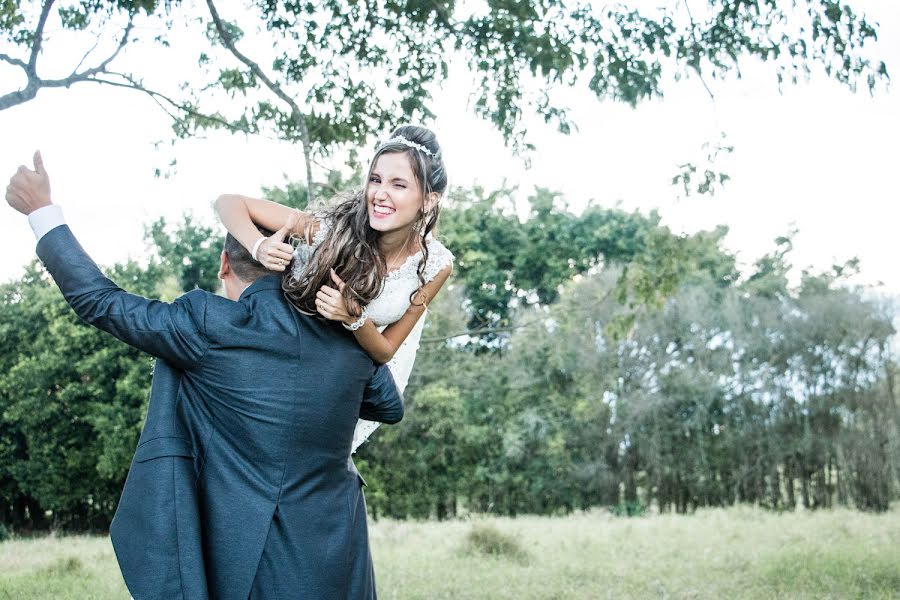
x=242 y=263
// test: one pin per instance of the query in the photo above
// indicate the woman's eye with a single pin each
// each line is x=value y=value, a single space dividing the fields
x=400 y=185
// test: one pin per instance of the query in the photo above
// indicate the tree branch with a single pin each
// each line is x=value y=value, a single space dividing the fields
x=477 y=332
x=86 y=54
x=31 y=69
x=101 y=68
x=20 y=96
x=35 y=83
x=447 y=18
x=488 y=330
x=694 y=36
x=13 y=61
x=131 y=84
x=296 y=113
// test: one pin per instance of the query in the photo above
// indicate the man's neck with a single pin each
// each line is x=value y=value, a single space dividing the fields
x=235 y=287
x=243 y=285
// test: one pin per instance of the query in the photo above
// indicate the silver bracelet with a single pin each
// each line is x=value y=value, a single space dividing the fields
x=359 y=322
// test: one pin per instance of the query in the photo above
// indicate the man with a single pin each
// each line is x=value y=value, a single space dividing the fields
x=241 y=485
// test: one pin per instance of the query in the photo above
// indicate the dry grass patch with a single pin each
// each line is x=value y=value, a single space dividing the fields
x=737 y=553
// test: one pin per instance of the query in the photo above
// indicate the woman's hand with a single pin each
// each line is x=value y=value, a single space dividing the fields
x=330 y=302
x=273 y=253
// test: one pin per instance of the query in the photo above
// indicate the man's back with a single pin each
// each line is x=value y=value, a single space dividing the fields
x=283 y=392
x=281 y=383
x=248 y=434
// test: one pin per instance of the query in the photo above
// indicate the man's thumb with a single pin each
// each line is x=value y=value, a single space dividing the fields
x=39 y=163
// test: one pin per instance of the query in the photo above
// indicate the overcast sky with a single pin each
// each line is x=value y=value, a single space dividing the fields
x=816 y=157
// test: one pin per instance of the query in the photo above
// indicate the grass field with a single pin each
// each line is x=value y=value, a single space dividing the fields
x=735 y=553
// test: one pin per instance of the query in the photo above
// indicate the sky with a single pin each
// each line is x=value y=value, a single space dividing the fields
x=815 y=157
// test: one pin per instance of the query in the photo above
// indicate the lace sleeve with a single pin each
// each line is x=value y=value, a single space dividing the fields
x=438 y=259
x=303 y=252
x=324 y=228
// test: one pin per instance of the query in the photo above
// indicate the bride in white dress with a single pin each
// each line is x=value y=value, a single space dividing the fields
x=389 y=307
x=369 y=262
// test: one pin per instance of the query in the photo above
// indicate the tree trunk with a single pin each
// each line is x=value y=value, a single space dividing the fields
x=804 y=490
x=630 y=475
x=789 y=484
x=775 y=489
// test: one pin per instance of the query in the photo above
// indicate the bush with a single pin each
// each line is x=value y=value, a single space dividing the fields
x=487 y=539
x=64 y=566
x=4 y=533
x=629 y=509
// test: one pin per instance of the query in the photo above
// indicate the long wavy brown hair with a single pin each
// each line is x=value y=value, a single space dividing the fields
x=351 y=245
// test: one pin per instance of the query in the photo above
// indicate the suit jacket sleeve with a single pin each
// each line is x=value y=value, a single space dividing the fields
x=382 y=400
x=172 y=331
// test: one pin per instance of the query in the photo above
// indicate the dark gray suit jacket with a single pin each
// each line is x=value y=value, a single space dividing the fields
x=241 y=485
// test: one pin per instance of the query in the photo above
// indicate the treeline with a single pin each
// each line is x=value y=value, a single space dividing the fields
x=746 y=393
x=574 y=361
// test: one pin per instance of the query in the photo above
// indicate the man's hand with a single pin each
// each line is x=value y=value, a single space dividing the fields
x=29 y=190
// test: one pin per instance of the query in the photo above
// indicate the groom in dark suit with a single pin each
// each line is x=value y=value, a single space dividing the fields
x=241 y=486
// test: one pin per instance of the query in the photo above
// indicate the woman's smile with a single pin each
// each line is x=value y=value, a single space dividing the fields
x=381 y=211
x=393 y=193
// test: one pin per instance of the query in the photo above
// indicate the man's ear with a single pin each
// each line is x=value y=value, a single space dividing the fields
x=224 y=265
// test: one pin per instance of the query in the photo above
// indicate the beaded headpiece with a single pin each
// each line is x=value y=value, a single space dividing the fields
x=402 y=140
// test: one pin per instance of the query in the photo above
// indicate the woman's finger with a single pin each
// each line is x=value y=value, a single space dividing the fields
x=276 y=252
x=274 y=265
x=281 y=246
x=337 y=280
x=278 y=259
x=284 y=254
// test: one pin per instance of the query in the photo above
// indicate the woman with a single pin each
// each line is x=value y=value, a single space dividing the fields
x=370 y=261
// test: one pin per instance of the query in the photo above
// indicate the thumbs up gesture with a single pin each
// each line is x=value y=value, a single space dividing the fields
x=273 y=253
x=29 y=190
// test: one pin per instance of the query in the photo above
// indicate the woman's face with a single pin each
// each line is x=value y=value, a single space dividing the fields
x=393 y=195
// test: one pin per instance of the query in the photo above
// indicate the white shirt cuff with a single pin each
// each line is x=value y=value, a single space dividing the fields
x=44 y=219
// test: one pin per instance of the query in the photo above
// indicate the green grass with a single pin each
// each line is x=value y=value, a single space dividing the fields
x=735 y=553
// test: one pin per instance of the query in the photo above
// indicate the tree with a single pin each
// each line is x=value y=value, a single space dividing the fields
x=190 y=251
x=72 y=400
x=339 y=72
x=507 y=264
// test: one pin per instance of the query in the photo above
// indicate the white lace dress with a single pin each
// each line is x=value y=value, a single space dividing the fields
x=388 y=307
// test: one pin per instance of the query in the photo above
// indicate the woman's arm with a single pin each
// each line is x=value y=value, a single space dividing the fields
x=241 y=215
x=380 y=346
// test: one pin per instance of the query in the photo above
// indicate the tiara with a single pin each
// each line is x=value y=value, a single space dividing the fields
x=402 y=140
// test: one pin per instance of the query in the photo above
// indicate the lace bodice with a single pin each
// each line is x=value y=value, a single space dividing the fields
x=393 y=301
x=390 y=304
x=399 y=285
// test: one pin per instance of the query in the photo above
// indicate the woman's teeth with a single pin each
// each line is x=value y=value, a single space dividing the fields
x=384 y=210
